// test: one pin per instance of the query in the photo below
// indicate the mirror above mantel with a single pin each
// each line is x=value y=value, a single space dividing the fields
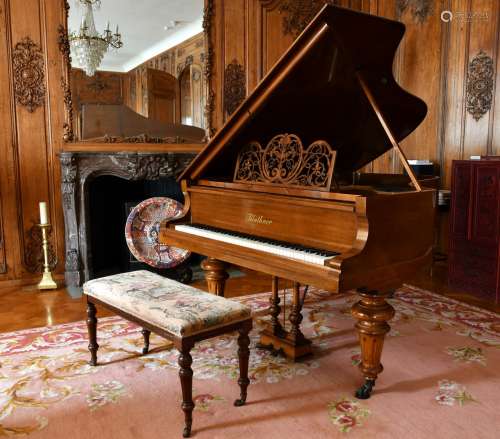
x=150 y=87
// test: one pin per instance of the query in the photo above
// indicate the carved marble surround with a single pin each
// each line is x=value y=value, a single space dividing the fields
x=78 y=169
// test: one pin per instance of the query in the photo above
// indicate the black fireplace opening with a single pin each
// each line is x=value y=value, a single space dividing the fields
x=110 y=201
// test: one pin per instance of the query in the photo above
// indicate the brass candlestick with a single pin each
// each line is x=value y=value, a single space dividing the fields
x=47 y=283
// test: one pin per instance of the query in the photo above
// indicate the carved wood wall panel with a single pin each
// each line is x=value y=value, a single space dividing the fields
x=34 y=255
x=208 y=58
x=8 y=213
x=298 y=13
x=480 y=79
x=31 y=123
x=234 y=86
x=64 y=49
x=29 y=74
x=420 y=10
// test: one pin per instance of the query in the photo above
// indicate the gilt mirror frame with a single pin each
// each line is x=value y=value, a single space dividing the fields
x=68 y=134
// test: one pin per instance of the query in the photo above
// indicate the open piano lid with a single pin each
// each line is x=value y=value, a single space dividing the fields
x=314 y=91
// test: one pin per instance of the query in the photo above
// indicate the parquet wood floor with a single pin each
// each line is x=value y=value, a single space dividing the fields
x=26 y=307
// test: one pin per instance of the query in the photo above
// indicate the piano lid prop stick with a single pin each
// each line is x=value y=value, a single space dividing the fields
x=388 y=131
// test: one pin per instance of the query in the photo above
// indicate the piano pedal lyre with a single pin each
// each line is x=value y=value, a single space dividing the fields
x=293 y=344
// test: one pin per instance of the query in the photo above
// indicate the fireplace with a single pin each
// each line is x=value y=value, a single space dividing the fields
x=97 y=189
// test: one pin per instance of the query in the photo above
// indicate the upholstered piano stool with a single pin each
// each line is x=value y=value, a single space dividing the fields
x=178 y=312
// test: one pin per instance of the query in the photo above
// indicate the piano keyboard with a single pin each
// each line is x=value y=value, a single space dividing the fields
x=280 y=248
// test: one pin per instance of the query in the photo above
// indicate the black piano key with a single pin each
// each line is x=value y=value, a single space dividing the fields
x=293 y=246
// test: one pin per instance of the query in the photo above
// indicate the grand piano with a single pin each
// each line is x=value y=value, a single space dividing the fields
x=277 y=189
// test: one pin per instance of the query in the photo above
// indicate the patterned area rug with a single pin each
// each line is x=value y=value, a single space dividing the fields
x=441 y=379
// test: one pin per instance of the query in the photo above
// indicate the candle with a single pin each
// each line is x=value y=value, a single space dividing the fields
x=43 y=213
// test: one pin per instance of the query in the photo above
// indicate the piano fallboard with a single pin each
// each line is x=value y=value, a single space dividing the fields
x=324 y=224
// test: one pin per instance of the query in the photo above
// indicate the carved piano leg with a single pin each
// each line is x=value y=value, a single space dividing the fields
x=216 y=275
x=275 y=309
x=372 y=313
x=296 y=316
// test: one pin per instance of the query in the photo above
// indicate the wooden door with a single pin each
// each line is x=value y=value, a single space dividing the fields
x=162 y=89
x=191 y=100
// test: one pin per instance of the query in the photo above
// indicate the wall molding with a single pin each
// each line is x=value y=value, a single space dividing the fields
x=420 y=10
x=34 y=252
x=28 y=74
x=234 y=86
x=480 y=78
x=298 y=14
x=64 y=49
x=208 y=18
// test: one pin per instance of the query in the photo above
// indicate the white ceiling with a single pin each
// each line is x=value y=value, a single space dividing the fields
x=142 y=25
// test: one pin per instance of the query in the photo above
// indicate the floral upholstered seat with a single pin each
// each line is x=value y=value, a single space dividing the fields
x=174 y=307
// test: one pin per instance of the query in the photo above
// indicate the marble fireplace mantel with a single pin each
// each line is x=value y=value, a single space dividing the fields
x=78 y=169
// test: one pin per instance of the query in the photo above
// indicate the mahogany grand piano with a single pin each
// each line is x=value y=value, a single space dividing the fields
x=277 y=190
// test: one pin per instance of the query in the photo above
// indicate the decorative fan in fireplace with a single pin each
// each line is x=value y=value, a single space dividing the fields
x=142 y=230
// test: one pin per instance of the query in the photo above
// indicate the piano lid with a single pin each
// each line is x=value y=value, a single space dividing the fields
x=314 y=91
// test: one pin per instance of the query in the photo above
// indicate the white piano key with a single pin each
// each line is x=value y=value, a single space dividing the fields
x=263 y=246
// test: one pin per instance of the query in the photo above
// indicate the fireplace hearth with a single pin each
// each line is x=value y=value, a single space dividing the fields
x=96 y=186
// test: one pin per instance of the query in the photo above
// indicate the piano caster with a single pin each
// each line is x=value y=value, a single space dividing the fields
x=365 y=390
x=372 y=313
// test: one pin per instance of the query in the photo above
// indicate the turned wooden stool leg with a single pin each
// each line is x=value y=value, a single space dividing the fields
x=216 y=275
x=92 y=329
x=243 y=355
x=186 y=376
x=145 y=335
x=372 y=313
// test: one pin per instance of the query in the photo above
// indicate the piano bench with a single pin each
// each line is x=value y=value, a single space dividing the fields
x=177 y=312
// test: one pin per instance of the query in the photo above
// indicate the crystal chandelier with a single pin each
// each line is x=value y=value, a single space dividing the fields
x=87 y=45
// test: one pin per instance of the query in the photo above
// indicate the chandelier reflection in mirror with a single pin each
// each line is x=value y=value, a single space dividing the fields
x=87 y=45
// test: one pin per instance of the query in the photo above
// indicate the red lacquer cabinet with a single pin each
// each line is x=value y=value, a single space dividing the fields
x=474 y=228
